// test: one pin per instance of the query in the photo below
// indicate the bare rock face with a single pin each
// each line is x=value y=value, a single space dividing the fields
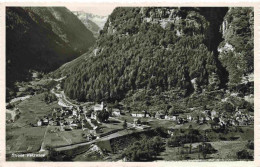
x=236 y=50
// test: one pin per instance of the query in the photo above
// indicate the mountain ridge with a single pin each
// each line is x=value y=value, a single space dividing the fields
x=93 y=22
x=41 y=39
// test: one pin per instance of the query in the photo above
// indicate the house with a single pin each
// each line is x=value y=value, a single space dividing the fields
x=189 y=118
x=138 y=115
x=213 y=114
x=202 y=120
x=74 y=112
x=175 y=117
x=180 y=120
x=94 y=115
x=45 y=121
x=39 y=122
x=137 y=122
x=93 y=132
x=168 y=117
x=89 y=137
x=73 y=126
x=171 y=131
x=67 y=128
x=159 y=115
x=62 y=122
x=116 y=113
x=97 y=108
x=207 y=112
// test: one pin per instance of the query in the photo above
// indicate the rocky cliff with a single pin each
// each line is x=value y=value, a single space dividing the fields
x=236 y=51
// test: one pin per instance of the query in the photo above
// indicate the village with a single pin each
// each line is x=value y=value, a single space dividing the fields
x=87 y=119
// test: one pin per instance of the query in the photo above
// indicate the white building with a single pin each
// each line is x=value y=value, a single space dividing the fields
x=39 y=123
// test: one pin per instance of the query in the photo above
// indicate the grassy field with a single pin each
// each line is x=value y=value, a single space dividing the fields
x=24 y=139
x=20 y=136
x=60 y=138
x=32 y=109
x=226 y=150
x=111 y=126
x=154 y=123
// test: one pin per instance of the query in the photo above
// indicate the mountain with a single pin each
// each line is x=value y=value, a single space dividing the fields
x=42 y=39
x=164 y=51
x=93 y=22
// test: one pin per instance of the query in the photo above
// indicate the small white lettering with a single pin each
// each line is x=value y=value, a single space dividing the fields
x=27 y=155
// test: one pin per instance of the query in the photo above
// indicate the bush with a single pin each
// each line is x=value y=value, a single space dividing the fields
x=190 y=137
x=144 y=150
x=51 y=84
x=206 y=148
x=244 y=154
x=103 y=116
x=49 y=98
x=250 y=145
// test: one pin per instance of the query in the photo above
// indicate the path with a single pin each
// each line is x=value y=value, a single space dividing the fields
x=43 y=144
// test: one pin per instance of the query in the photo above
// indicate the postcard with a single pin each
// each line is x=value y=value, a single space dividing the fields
x=129 y=84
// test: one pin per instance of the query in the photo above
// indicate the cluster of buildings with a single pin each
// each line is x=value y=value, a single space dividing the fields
x=69 y=118
x=218 y=119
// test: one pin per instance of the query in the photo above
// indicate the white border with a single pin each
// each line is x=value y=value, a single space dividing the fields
x=253 y=3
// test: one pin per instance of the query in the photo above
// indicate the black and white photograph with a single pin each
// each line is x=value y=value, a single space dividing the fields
x=129 y=83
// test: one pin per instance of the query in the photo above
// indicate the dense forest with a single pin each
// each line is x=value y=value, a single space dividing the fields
x=237 y=48
x=41 y=39
x=163 y=49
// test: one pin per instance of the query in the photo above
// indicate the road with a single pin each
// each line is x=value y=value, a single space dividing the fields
x=108 y=137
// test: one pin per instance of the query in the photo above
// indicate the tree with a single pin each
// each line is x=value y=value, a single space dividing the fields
x=206 y=148
x=103 y=115
x=244 y=154
x=144 y=150
x=125 y=125
x=49 y=97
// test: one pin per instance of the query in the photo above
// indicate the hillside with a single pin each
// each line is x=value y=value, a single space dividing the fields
x=93 y=22
x=236 y=51
x=41 y=39
x=156 y=51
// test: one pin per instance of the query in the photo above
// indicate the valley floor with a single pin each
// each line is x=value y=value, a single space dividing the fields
x=22 y=137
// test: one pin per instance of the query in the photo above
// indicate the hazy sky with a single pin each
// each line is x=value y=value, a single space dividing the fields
x=102 y=10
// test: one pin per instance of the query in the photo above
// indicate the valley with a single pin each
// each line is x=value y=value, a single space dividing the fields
x=56 y=142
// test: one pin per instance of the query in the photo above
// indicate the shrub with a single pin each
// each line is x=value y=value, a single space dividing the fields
x=49 y=98
x=206 y=148
x=250 y=145
x=144 y=150
x=244 y=154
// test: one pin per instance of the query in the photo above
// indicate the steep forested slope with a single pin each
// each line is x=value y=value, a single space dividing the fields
x=153 y=49
x=42 y=38
x=237 y=48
